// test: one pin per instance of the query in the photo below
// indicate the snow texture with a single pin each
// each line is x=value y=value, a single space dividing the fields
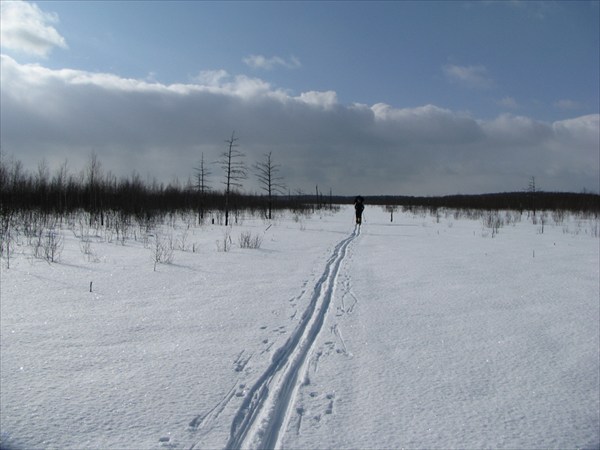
x=432 y=331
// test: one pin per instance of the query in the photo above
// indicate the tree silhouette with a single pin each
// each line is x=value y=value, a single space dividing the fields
x=235 y=170
x=532 y=190
x=270 y=181
x=202 y=187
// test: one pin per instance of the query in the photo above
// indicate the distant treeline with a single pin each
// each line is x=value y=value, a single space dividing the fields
x=93 y=192
x=518 y=201
x=90 y=191
x=128 y=197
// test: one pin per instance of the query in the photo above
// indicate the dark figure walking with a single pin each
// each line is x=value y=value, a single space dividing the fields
x=359 y=208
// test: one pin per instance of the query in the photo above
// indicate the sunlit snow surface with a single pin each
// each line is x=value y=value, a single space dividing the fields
x=430 y=331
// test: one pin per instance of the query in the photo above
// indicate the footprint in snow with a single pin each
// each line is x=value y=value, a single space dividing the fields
x=329 y=409
x=165 y=442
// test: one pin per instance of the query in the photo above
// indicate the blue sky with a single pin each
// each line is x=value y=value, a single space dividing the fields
x=376 y=97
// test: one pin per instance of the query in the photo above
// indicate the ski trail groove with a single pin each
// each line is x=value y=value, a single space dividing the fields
x=268 y=404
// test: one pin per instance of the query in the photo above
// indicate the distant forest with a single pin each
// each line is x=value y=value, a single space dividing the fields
x=91 y=191
x=517 y=201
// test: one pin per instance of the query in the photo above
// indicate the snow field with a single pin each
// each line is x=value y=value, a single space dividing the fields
x=424 y=332
x=145 y=352
x=461 y=341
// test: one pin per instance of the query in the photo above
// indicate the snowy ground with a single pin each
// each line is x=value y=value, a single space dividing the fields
x=425 y=332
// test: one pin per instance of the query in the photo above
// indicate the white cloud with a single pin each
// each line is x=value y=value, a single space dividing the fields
x=566 y=104
x=161 y=130
x=25 y=28
x=326 y=99
x=508 y=102
x=262 y=62
x=211 y=77
x=510 y=130
x=571 y=147
x=470 y=76
x=538 y=10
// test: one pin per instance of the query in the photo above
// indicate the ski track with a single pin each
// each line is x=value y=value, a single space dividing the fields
x=268 y=404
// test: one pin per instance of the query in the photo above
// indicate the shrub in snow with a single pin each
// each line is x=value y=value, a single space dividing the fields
x=493 y=221
x=249 y=240
x=225 y=244
x=162 y=250
x=6 y=238
x=85 y=245
x=183 y=240
x=52 y=246
x=595 y=229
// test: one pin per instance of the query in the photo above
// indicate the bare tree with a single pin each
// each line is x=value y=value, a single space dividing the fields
x=17 y=176
x=235 y=170
x=270 y=181
x=94 y=176
x=43 y=175
x=202 y=174
x=202 y=187
x=6 y=234
x=59 y=185
x=391 y=209
x=42 y=185
x=532 y=189
x=162 y=249
x=52 y=245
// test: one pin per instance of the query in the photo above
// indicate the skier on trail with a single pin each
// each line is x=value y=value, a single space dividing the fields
x=359 y=208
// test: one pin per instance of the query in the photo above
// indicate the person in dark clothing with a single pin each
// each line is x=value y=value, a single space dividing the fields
x=359 y=207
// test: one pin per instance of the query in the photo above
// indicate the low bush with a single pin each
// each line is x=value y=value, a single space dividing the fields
x=249 y=240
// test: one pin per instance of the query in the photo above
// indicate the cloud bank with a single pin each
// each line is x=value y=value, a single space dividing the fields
x=27 y=29
x=262 y=62
x=475 y=77
x=161 y=131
